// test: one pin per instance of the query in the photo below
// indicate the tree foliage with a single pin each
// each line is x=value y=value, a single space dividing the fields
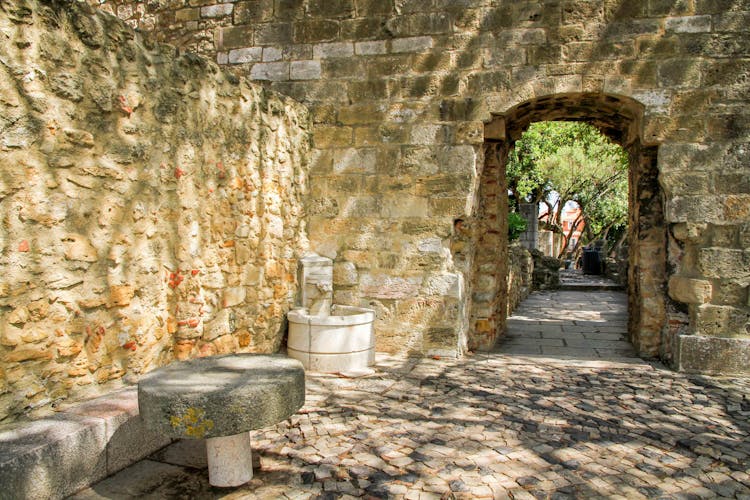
x=555 y=163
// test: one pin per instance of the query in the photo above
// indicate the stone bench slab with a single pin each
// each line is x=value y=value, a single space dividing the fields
x=221 y=395
x=56 y=456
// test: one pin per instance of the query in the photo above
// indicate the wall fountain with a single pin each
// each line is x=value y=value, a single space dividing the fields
x=326 y=337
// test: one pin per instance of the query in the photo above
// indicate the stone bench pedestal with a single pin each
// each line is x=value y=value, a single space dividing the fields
x=220 y=399
x=230 y=460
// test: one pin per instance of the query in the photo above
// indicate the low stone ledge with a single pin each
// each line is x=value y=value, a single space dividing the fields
x=56 y=456
x=714 y=355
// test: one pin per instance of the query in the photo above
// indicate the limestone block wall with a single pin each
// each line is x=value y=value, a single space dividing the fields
x=401 y=92
x=151 y=205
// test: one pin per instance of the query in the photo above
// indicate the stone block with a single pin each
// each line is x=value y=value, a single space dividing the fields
x=328 y=136
x=440 y=337
x=316 y=31
x=690 y=291
x=427 y=134
x=273 y=34
x=361 y=114
x=688 y=24
x=354 y=160
x=120 y=295
x=458 y=159
x=678 y=73
x=128 y=440
x=360 y=206
x=335 y=49
x=395 y=206
x=717 y=262
x=693 y=208
x=345 y=274
x=253 y=11
x=384 y=286
x=330 y=8
x=305 y=70
x=433 y=23
x=52 y=457
x=185 y=15
x=721 y=321
x=271 y=54
x=411 y=44
x=233 y=37
x=233 y=296
x=218 y=10
x=275 y=71
x=223 y=323
x=447 y=285
x=370 y=48
x=721 y=356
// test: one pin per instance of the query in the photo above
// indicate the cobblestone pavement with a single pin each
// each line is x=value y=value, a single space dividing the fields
x=580 y=324
x=487 y=426
x=561 y=409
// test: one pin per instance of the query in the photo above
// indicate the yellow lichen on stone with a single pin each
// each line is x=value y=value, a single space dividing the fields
x=194 y=422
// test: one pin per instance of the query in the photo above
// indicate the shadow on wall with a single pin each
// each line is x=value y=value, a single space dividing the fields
x=407 y=144
x=151 y=205
x=399 y=127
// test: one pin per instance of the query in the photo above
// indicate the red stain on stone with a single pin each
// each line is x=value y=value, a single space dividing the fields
x=24 y=246
x=178 y=172
x=193 y=322
x=124 y=105
x=130 y=345
x=175 y=279
x=194 y=272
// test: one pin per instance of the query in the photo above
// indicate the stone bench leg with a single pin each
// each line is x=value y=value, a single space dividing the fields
x=230 y=460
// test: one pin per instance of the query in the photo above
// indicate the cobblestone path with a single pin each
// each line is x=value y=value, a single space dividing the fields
x=487 y=426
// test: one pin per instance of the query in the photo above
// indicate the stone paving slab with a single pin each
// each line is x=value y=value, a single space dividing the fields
x=490 y=426
x=569 y=324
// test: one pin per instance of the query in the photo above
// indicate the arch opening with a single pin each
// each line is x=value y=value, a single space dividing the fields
x=620 y=119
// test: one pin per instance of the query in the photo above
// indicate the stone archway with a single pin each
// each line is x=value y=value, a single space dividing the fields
x=620 y=118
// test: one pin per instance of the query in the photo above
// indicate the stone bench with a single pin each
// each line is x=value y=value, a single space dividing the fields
x=57 y=455
x=220 y=399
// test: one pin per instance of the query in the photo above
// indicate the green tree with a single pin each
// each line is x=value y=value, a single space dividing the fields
x=554 y=163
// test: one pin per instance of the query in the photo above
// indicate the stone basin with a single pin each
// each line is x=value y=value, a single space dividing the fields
x=341 y=342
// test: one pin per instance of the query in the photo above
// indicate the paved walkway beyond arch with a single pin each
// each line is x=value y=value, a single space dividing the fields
x=572 y=323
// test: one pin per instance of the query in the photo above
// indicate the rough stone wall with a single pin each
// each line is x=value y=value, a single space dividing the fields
x=520 y=275
x=401 y=91
x=151 y=205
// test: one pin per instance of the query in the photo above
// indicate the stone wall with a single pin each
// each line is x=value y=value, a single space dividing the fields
x=402 y=92
x=151 y=205
x=520 y=276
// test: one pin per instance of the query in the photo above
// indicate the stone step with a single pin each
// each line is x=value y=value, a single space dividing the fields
x=589 y=287
x=58 y=455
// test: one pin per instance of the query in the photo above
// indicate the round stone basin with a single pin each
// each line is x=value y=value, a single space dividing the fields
x=344 y=341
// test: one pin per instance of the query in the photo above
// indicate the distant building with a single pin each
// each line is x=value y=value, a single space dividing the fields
x=570 y=219
x=551 y=243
